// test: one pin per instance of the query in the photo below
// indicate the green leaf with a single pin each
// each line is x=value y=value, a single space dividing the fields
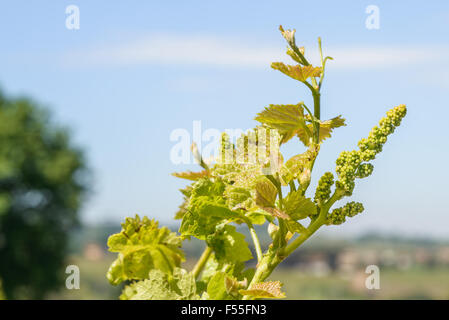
x=216 y=288
x=263 y=290
x=289 y=36
x=258 y=217
x=266 y=193
x=299 y=207
x=207 y=208
x=233 y=285
x=294 y=226
x=299 y=165
x=203 y=217
x=295 y=53
x=159 y=286
x=229 y=245
x=238 y=198
x=275 y=212
x=300 y=73
x=283 y=117
x=287 y=119
x=210 y=268
x=143 y=246
x=189 y=175
x=326 y=128
x=182 y=209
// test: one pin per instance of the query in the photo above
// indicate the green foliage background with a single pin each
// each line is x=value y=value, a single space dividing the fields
x=42 y=183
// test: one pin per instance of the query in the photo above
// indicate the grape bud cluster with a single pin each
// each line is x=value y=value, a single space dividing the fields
x=338 y=216
x=323 y=190
x=350 y=163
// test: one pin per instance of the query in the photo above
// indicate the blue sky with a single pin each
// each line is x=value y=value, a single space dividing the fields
x=137 y=70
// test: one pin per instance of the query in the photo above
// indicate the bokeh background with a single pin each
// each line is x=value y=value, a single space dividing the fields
x=105 y=98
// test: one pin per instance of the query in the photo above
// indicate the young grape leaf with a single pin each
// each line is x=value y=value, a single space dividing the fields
x=326 y=128
x=295 y=226
x=266 y=193
x=238 y=197
x=207 y=208
x=182 y=209
x=258 y=216
x=216 y=288
x=296 y=165
x=299 y=207
x=300 y=73
x=294 y=52
x=275 y=212
x=287 y=117
x=204 y=214
x=158 y=286
x=229 y=245
x=143 y=246
x=233 y=285
x=189 y=175
x=263 y=290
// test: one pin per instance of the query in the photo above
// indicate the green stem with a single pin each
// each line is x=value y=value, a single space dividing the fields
x=316 y=104
x=315 y=225
x=253 y=233
x=201 y=262
x=316 y=125
x=277 y=184
x=322 y=64
x=292 y=186
x=264 y=269
x=276 y=255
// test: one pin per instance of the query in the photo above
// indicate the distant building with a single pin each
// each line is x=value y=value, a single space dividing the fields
x=93 y=252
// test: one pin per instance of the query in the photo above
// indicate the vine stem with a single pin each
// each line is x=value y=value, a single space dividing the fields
x=256 y=242
x=314 y=226
x=201 y=262
x=273 y=257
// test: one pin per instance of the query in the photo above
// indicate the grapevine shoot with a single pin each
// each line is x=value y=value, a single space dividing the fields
x=248 y=184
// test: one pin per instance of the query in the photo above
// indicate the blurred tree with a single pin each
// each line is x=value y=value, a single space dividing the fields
x=42 y=183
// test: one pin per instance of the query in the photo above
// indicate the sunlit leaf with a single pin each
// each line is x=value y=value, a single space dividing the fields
x=216 y=288
x=143 y=246
x=189 y=175
x=326 y=128
x=229 y=245
x=275 y=212
x=207 y=208
x=298 y=164
x=158 y=286
x=266 y=193
x=263 y=290
x=299 y=207
x=287 y=119
x=300 y=73
x=295 y=226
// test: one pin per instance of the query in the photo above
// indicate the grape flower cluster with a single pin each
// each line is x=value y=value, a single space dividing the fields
x=323 y=190
x=338 y=216
x=352 y=164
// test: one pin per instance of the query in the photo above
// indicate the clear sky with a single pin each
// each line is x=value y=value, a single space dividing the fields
x=137 y=70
